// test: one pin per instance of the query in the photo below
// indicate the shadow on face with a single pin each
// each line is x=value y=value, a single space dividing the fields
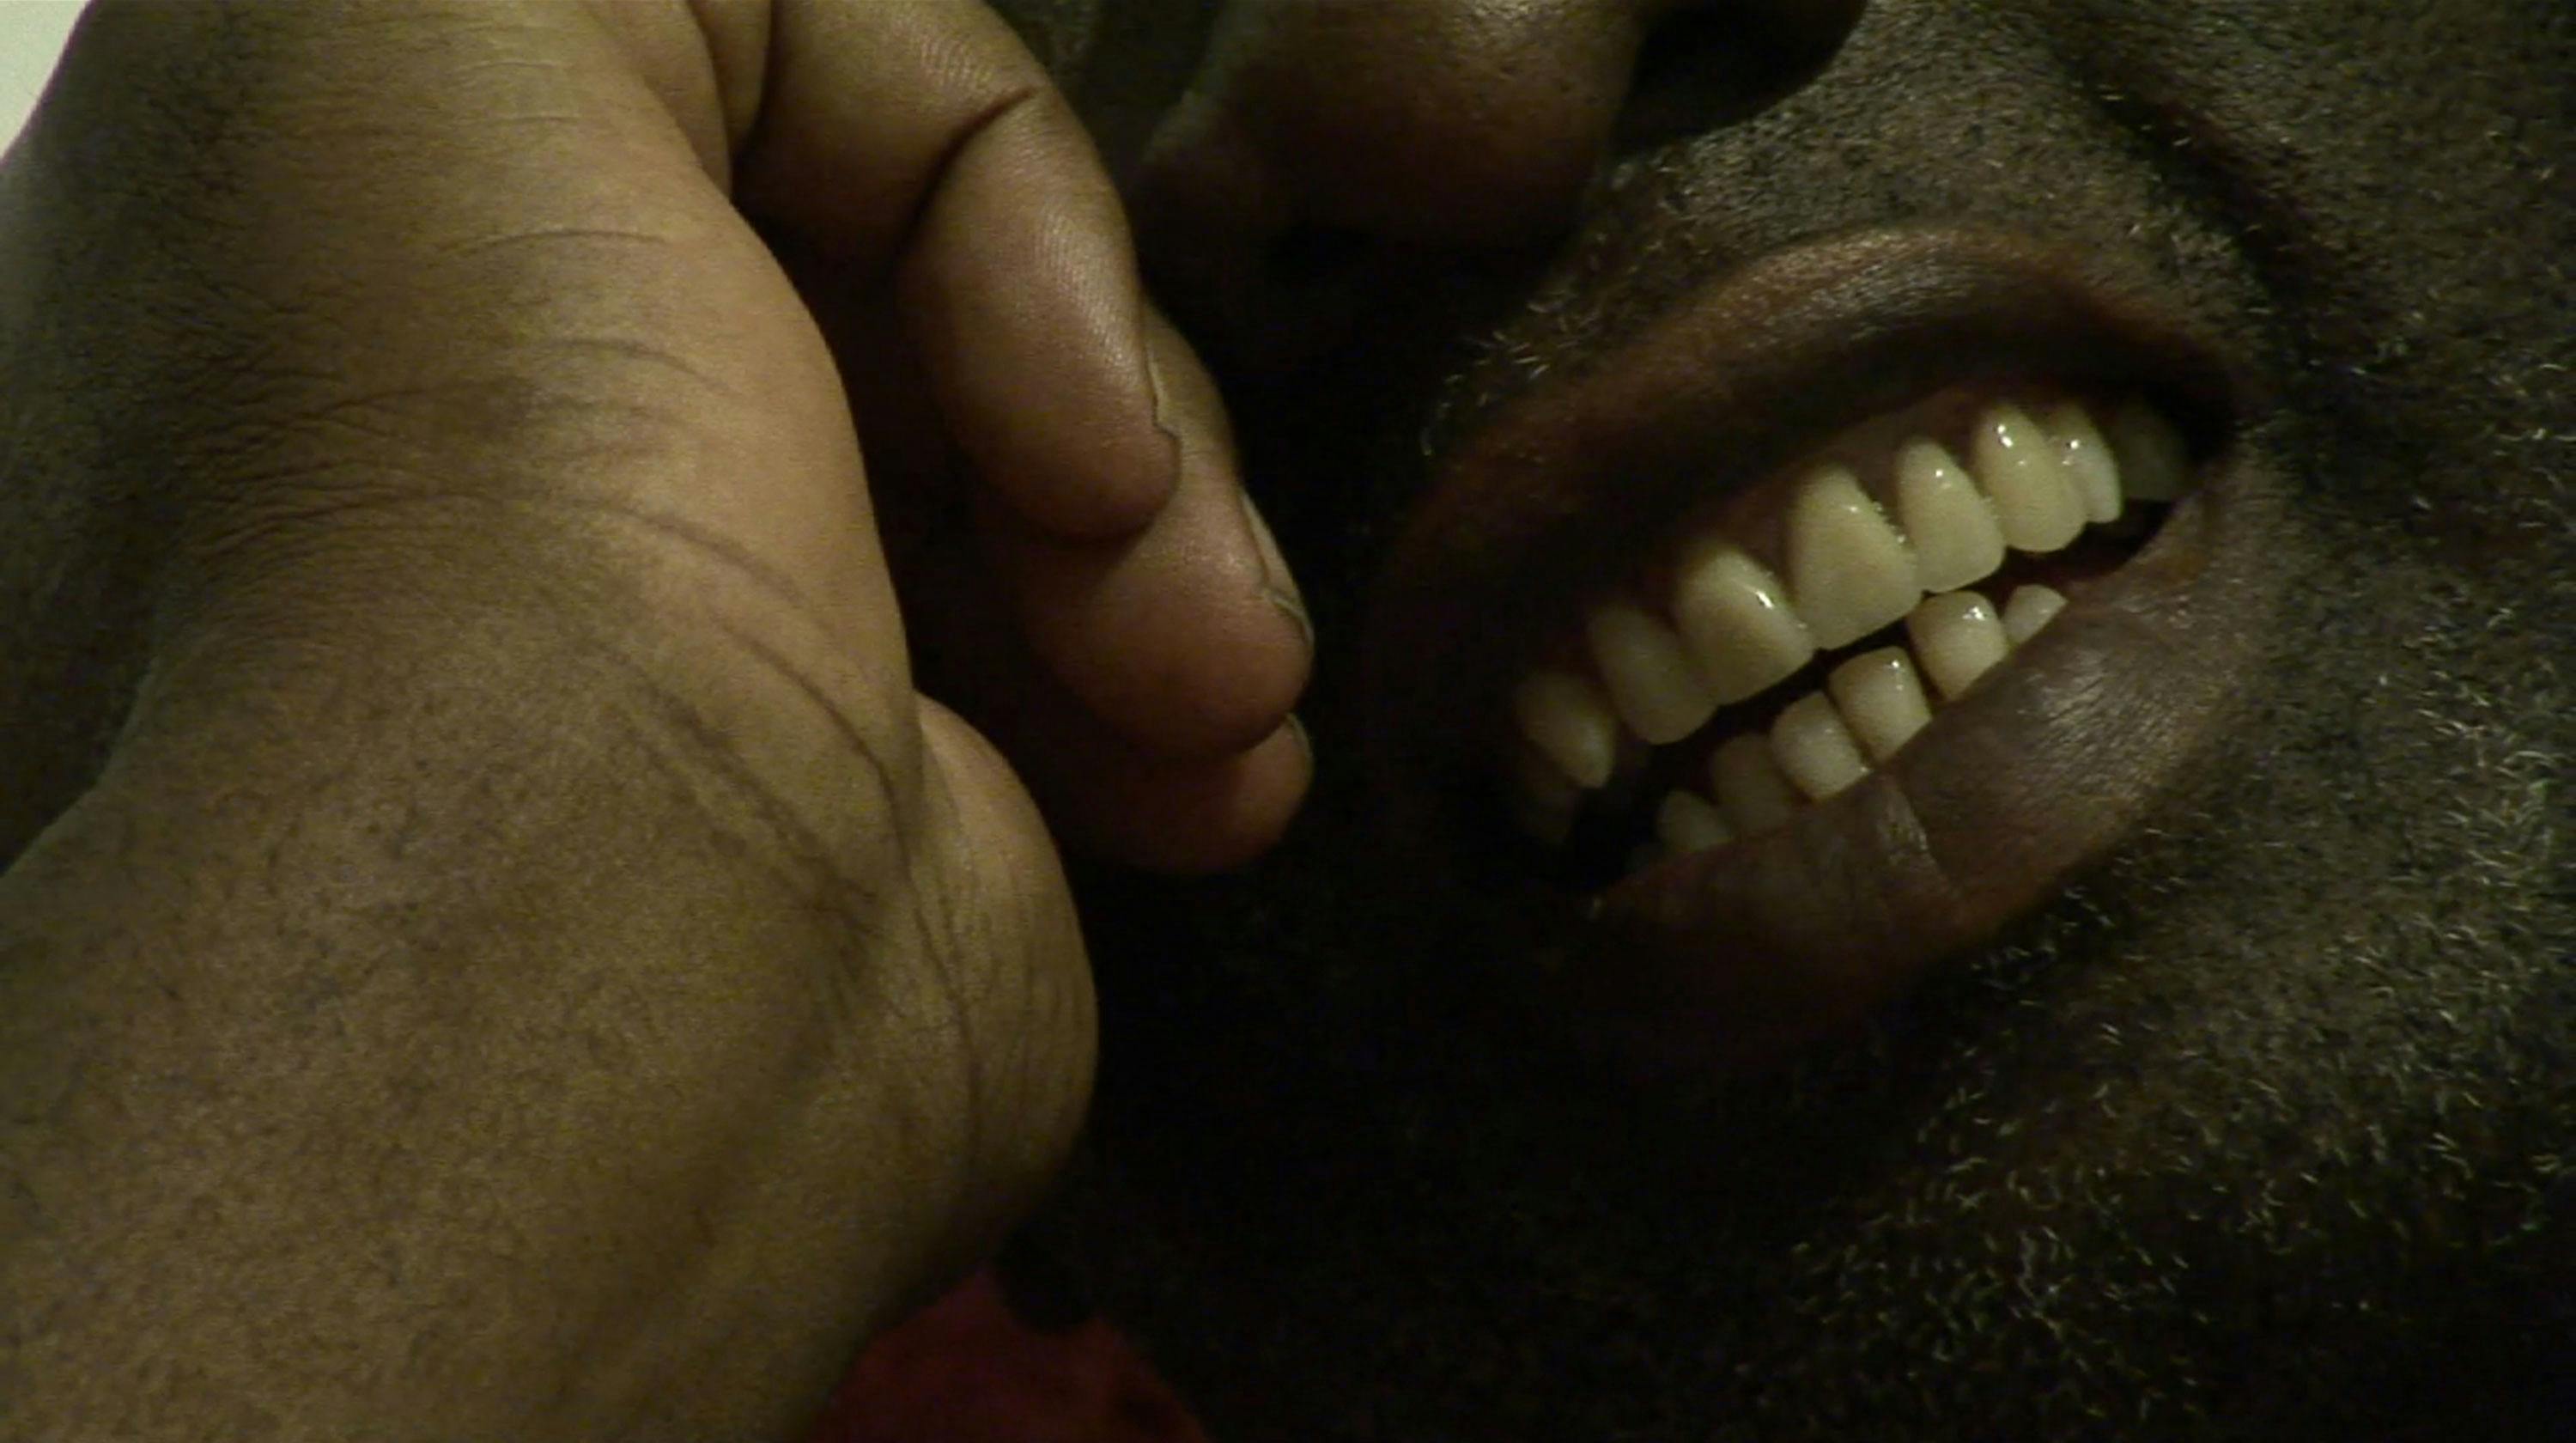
x=2166 y=1032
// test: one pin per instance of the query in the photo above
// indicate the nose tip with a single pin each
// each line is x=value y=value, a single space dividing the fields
x=1321 y=137
x=1415 y=120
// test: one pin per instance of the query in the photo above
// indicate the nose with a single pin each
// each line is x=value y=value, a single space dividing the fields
x=1321 y=138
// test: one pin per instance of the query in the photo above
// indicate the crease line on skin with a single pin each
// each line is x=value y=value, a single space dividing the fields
x=634 y=350
x=729 y=553
x=481 y=244
x=940 y=169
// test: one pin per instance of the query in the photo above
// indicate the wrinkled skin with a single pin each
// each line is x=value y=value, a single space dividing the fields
x=2257 y=1129
x=493 y=941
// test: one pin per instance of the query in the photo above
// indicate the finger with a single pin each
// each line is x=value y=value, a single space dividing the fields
x=1101 y=792
x=923 y=137
x=1109 y=799
x=1189 y=639
x=922 y=141
x=1019 y=292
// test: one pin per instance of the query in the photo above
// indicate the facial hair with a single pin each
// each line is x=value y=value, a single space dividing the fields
x=2260 y=1129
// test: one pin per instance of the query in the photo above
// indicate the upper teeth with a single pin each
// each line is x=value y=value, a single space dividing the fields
x=1729 y=628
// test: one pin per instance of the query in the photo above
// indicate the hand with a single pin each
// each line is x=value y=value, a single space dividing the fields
x=509 y=950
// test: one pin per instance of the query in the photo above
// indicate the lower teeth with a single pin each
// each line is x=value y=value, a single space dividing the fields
x=1858 y=708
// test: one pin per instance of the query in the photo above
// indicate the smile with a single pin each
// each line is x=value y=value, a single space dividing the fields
x=1823 y=628
x=1802 y=633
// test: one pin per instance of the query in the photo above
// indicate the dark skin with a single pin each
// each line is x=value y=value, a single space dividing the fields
x=2247 y=1125
x=2252 y=1126
x=495 y=942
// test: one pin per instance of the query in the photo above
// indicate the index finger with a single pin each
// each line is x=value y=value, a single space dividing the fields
x=923 y=138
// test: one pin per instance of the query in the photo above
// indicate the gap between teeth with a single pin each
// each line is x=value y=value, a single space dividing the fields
x=1730 y=627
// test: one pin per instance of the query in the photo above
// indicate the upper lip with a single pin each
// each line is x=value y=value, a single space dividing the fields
x=1742 y=954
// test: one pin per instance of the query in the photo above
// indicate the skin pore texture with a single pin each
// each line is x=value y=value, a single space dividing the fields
x=2258 y=1128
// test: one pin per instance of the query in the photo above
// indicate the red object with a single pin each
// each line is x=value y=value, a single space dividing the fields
x=965 y=1371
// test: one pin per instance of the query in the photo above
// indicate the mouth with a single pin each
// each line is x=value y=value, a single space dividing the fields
x=1820 y=631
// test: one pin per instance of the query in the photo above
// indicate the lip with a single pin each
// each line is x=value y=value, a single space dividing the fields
x=1733 y=959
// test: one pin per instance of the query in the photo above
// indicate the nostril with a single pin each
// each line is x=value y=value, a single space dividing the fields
x=1710 y=65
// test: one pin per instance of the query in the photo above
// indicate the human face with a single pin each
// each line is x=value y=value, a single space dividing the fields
x=2174 y=1038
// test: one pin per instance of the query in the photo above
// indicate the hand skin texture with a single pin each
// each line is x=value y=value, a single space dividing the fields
x=494 y=942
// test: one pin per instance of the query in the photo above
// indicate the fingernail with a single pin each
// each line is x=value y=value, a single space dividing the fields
x=1295 y=611
x=1278 y=585
x=1149 y=341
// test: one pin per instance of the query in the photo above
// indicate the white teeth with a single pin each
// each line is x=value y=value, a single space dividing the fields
x=2155 y=465
x=1543 y=798
x=1814 y=749
x=2036 y=507
x=2033 y=480
x=1749 y=787
x=1848 y=568
x=1735 y=618
x=1947 y=522
x=1685 y=823
x=1957 y=638
x=1568 y=720
x=2087 y=461
x=1880 y=699
x=2030 y=608
x=1652 y=684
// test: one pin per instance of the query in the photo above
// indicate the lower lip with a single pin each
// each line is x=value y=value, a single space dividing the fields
x=1732 y=959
